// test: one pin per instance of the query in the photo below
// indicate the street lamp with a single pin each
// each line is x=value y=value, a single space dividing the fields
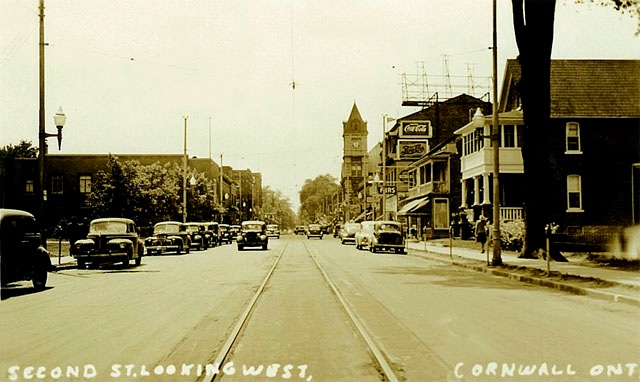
x=375 y=179
x=385 y=119
x=59 y=119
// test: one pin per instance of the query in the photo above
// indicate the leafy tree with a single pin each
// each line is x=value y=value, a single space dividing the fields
x=533 y=25
x=149 y=194
x=24 y=149
x=276 y=208
x=315 y=198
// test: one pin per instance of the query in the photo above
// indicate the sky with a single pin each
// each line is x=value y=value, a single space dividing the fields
x=128 y=72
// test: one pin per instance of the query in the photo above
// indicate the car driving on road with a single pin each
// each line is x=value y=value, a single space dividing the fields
x=110 y=240
x=273 y=230
x=22 y=256
x=253 y=233
x=315 y=230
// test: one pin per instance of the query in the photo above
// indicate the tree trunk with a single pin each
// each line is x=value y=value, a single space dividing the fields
x=534 y=36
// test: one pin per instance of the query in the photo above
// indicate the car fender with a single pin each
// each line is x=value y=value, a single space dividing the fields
x=123 y=244
x=43 y=255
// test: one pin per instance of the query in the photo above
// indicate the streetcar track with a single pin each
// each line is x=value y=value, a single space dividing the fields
x=383 y=365
x=379 y=360
x=225 y=351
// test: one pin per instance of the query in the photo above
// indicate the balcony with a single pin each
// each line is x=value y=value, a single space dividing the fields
x=428 y=188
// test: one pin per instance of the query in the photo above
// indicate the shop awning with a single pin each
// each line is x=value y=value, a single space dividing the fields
x=413 y=205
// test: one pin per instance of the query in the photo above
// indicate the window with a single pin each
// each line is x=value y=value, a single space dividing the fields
x=574 y=193
x=85 y=184
x=57 y=182
x=573 y=137
x=508 y=136
x=28 y=187
x=356 y=169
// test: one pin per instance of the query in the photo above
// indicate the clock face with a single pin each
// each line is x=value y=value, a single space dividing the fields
x=355 y=143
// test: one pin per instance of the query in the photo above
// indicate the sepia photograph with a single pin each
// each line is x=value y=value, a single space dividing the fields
x=327 y=191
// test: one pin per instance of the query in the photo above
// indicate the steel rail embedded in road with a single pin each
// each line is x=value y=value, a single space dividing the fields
x=379 y=358
x=226 y=348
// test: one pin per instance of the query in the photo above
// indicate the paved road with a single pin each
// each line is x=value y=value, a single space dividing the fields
x=432 y=322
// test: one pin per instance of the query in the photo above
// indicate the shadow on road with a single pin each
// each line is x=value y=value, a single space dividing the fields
x=19 y=289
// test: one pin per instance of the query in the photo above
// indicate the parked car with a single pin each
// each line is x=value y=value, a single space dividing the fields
x=110 y=240
x=315 y=230
x=252 y=234
x=210 y=234
x=234 y=229
x=365 y=236
x=168 y=236
x=273 y=230
x=387 y=235
x=300 y=230
x=348 y=232
x=22 y=256
x=224 y=234
x=196 y=231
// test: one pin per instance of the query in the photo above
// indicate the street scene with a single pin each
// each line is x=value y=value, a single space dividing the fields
x=310 y=310
x=239 y=190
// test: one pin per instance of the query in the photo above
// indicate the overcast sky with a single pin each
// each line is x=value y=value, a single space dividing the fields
x=127 y=72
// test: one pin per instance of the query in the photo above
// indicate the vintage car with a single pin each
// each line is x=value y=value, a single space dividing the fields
x=365 y=236
x=224 y=234
x=387 y=235
x=252 y=234
x=348 y=232
x=196 y=232
x=169 y=236
x=300 y=230
x=273 y=230
x=315 y=230
x=110 y=240
x=22 y=255
x=210 y=234
x=234 y=229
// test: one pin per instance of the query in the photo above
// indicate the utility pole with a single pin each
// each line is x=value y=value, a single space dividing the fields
x=184 y=175
x=495 y=135
x=42 y=139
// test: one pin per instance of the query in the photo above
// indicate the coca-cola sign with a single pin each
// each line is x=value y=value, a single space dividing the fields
x=412 y=148
x=415 y=129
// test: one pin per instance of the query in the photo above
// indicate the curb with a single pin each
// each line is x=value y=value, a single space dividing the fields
x=608 y=296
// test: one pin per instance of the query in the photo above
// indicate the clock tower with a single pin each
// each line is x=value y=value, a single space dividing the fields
x=354 y=159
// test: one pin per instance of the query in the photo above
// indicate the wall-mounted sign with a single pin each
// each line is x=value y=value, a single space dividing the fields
x=411 y=148
x=415 y=129
x=390 y=190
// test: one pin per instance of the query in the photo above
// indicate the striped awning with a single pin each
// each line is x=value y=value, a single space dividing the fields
x=413 y=205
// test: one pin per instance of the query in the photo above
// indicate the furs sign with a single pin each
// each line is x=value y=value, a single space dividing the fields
x=415 y=129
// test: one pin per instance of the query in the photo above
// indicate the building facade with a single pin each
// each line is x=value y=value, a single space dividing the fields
x=354 y=159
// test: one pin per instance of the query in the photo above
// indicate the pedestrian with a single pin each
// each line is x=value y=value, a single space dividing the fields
x=481 y=231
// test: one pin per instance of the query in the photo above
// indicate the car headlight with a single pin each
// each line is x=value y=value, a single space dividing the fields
x=123 y=245
x=263 y=237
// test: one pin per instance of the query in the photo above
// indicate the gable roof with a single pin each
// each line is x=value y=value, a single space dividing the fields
x=587 y=88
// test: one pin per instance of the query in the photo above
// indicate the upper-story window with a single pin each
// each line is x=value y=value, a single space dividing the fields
x=85 y=184
x=472 y=142
x=28 y=187
x=574 y=193
x=510 y=136
x=573 y=137
x=57 y=184
x=356 y=169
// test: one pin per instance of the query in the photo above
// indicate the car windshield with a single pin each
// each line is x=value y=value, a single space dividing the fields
x=109 y=226
x=193 y=228
x=252 y=227
x=167 y=228
x=389 y=227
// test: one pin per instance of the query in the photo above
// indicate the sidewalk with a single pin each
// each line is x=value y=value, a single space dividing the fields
x=573 y=276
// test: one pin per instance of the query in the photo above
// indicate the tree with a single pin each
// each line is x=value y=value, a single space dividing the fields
x=315 y=197
x=149 y=194
x=533 y=25
x=24 y=149
x=277 y=208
